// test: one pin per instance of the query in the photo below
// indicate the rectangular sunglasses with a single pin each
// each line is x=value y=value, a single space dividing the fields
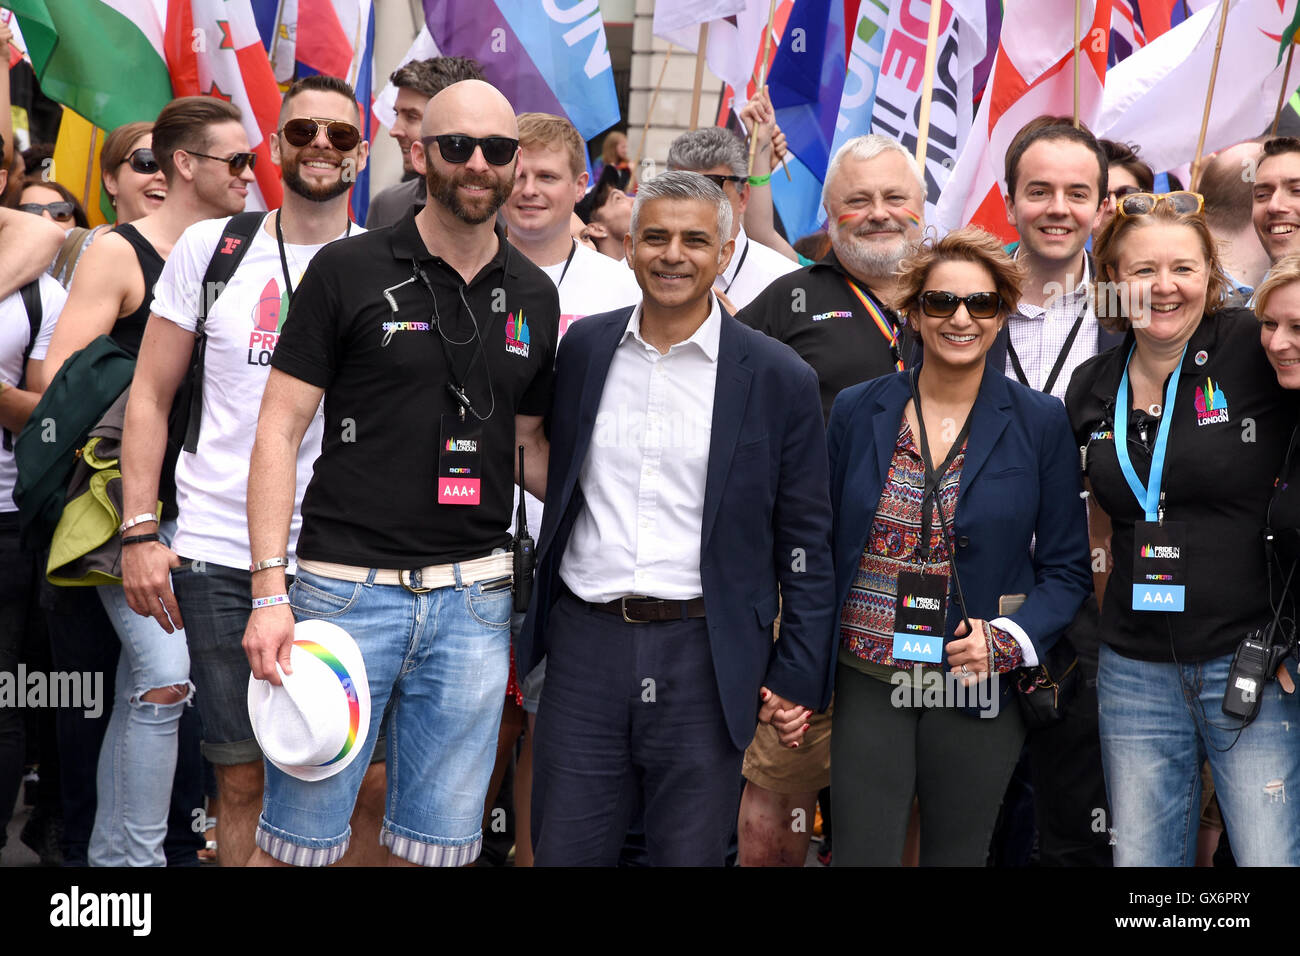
x=342 y=136
x=61 y=211
x=458 y=148
x=979 y=305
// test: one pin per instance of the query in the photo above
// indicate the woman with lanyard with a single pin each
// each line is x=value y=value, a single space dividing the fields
x=939 y=590
x=1182 y=429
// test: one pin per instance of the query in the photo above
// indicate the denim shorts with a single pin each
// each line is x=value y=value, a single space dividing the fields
x=438 y=662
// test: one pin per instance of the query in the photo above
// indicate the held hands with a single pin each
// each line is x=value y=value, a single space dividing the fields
x=146 y=580
x=268 y=639
x=787 y=718
x=969 y=657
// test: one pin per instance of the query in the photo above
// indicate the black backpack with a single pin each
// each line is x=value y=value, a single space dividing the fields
x=31 y=296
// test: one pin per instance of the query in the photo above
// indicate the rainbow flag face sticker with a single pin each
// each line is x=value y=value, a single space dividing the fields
x=327 y=658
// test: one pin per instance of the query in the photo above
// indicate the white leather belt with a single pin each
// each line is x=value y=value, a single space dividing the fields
x=418 y=580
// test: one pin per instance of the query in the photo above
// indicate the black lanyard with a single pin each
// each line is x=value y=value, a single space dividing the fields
x=739 y=265
x=456 y=384
x=1060 y=358
x=933 y=476
x=567 y=262
x=284 y=262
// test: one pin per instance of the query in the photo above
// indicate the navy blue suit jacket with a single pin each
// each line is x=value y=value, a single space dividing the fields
x=1020 y=478
x=767 y=515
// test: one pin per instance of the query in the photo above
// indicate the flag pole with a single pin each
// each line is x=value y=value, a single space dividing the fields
x=927 y=92
x=90 y=167
x=1078 y=43
x=1209 y=95
x=762 y=78
x=654 y=98
x=1281 y=94
x=699 y=74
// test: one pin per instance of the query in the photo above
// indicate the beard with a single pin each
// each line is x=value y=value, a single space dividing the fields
x=867 y=258
x=444 y=190
x=324 y=192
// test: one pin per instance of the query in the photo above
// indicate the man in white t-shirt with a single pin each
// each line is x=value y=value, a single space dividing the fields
x=550 y=178
x=19 y=569
x=718 y=154
x=320 y=151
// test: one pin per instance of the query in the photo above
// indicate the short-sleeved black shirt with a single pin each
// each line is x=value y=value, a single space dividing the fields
x=372 y=500
x=1219 y=471
x=815 y=312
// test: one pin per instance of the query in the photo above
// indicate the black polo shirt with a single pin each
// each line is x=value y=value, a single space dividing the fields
x=373 y=500
x=1219 y=470
x=815 y=312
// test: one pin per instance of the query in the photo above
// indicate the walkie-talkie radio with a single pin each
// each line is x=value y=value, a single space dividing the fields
x=522 y=545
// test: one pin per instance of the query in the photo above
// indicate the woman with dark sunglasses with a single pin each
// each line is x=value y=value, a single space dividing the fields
x=941 y=480
x=1182 y=429
x=45 y=197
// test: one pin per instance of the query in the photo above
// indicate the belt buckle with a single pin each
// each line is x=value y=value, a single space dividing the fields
x=623 y=607
x=414 y=578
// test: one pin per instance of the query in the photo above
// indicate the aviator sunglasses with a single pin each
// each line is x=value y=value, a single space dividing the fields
x=342 y=136
x=979 y=305
x=142 y=161
x=458 y=148
x=1183 y=202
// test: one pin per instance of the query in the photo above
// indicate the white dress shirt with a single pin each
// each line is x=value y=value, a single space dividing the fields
x=752 y=268
x=1038 y=334
x=644 y=474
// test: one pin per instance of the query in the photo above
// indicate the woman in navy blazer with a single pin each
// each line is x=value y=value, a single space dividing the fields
x=923 y=699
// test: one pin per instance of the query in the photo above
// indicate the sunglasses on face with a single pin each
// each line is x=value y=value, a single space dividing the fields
x=721 y=181
x=142 y=161
x=236 y=163
x=342 y=136
x=61 y=211
x=458 y=148
x=1182 y=202
x=979 y=305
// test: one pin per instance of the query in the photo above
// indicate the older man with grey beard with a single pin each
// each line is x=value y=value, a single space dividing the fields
x=836 y=315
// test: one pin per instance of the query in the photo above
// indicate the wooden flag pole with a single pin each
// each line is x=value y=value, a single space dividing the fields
x=762 y=79
x=1209 y=95
x=654 y=98
x=1078 y=46
x=699 y=74
x=1281 y=94
x=927 y=91
x=90 y=167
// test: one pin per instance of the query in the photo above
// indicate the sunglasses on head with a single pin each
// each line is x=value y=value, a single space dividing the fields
x=236 y=163
x=721 y=181
x=979 y=305
x=142 y=161
x=1183 y=202
x=458 y=148
x=342 y=136
x=61 y=211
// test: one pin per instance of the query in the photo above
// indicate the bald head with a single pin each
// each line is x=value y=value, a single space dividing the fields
x=472 y=107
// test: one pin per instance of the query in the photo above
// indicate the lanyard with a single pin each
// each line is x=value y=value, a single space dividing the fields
x=886 y=327
x=933 y=476
x=1148 y=496
x=567 y=262
x=284 y=262
x=739 y=265
x=1056 y=366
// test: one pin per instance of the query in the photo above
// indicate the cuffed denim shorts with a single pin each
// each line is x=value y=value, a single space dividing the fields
x=438 y=662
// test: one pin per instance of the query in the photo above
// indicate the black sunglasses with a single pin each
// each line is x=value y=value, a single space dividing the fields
x=342 y=136
x=721 y=181
x=142 y=161
x=236 y=163
x=458 y=148
x=61 y=211
x=979 y=305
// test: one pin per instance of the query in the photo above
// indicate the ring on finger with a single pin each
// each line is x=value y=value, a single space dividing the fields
x=965 y=669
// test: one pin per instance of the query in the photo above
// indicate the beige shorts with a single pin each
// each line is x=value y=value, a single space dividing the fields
x=806 y=768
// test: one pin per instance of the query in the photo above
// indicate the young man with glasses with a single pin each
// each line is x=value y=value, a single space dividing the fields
x=320 y=151
x=433 y=345
x=719 y=155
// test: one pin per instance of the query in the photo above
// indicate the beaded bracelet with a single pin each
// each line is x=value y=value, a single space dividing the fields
x=141 y=538
x=271 y=601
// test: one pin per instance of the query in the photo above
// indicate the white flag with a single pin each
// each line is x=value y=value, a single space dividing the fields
x=671 y=15
x=734 y=41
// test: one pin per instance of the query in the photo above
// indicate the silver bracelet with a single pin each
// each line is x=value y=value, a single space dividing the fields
x=138 y=519
x=268 y=563
x=271 y=601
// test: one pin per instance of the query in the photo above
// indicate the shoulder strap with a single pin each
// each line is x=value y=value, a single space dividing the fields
x=31 y=296
x=234 y=242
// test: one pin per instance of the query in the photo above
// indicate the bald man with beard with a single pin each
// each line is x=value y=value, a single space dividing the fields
x=431 y=335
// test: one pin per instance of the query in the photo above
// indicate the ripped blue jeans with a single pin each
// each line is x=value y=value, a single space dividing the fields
x=138 y=758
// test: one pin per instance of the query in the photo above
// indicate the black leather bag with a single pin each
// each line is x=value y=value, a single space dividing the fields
x=1046 y=690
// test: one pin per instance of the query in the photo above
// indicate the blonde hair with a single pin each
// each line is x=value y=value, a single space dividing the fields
x=1285 y=271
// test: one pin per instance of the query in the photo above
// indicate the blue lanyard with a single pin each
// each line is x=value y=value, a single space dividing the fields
x=1148 y=496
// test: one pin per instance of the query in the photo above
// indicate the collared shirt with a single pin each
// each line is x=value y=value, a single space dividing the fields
x=1039 y=333
x=752 y=269
x=643 y=479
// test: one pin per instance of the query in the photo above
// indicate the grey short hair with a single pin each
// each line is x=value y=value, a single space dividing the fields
x=682 y=185
x=702 y=149
x=869 y=147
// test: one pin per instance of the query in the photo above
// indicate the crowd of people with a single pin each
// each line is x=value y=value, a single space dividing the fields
x=971 y=553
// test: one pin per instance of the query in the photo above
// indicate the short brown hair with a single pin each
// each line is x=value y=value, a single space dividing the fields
x=970 y=244
x=185 y=123
x=553 y=132
x=1125 y=156
x=117 y=145
x=1054 y=128
x=430 y=77
x=320 y=83
x=1105 y=255
x=1283 y=272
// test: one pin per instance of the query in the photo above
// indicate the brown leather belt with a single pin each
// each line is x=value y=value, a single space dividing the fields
x=635 y=609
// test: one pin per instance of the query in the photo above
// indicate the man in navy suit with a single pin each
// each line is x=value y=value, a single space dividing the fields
x=688 y=494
